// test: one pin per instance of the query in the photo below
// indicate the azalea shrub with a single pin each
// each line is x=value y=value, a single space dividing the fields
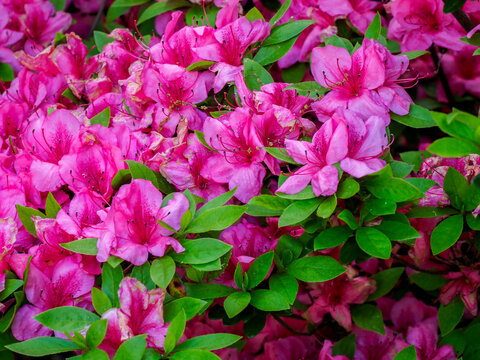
x=233 y=179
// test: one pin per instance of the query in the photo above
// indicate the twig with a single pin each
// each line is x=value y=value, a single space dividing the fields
x=418 y=268
x=289 y=328
x=97 y=18
x=441 y=76
x=463 y=19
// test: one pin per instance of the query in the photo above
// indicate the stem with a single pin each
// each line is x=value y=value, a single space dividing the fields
x=97 y=18
x=288 y=327
x=442 y=76
x=463 y=19
x=418 y=268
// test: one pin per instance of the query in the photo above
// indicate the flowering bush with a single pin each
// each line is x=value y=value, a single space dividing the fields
x=240 y=179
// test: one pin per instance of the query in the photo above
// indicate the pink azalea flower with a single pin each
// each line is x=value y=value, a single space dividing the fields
x=366 y=142
x=141 y=312
x=409 y=312
x=8 y=38
x=371 y=345
x=239 y=157
x=336 y=295
x=464 y=283
x=64 y=284
x=462 y=70
x=418 y=24
x=175 y=90
x=232 y=41
x=131 y=231
x=359 y=12
x=328 y=146
x=48 y=140
x=8 y=237
x=365 y=82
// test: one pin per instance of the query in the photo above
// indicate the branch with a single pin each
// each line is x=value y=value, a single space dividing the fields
x=97 y=18
x=441 y=75
x=289 y=328
x=464 y=20
x=418 y=268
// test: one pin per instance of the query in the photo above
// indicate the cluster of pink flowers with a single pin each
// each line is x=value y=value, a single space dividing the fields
x=127 y=147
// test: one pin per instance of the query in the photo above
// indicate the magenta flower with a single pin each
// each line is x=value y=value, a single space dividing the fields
x=131 y=231
x=175 y=90
x=359 y=12
x=329 y=146
x=334 y=297
x=141 y=312
x=366 y=142
x=63 y=284
x=464 y=283
x=239 y=157
x=8 y=38
x=232 y=41
x=416 y=24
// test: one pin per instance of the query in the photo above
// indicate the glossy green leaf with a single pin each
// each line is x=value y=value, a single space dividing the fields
x=452 y=147
x=52 y=207
x=455 y=186
x=255 y=74
x=216 y=219
x=161 y=7
x=450 y=315
x=87 y=246
x=267 y=205
x=287 y=31
x=66 y=318
x=100 y=300
x=102 y=118
x=42 y=346
x=284 y=284
x=162 y=271
x=259 y=269
x=297 y=212
x=25 y=215
x=385 y=281
x=191 y=306
x=269 y=54
x=368 y=317
x=269 y=300
x=373 y=30
x=209 y=342
x=408 y=353
x=332 y=237
x=235 y=303
x=446 y=233
x=315 y=269
x=132 y=349
x=374 y=242
x=201 y=251
x=175 y=331
x=96 y=333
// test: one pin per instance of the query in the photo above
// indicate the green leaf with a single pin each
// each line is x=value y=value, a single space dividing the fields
x=332 y=237
x=307 y=88
x=473 y=222
x=71 y=96
x=128 y=3
x=408 y=353
x=191 y=306
x=254 y=14
x=315 y=269
x=42 y=346
x=455 y=186
x=446 y=233
x=111 y=277
x=96 y=333
x=216 y=219
x=327 y=206
x=123 y=176
x=269 y=54
x=6 y=72
x=428 y=282
x=162 y=271
x=10 y=286
x=420 y=183
x=52 y=207
x=374 y=242
x=472 y=196
x=66 y=318
x=393 y=189
x=7 y=318
x=287 y=31
x=195 y=16
x=269 y=300
x=451 y=6
x=255 y=74
x=380 y=207
x=100 y=300
x=414 y=54
x=160 y=8
x=132 y=349
x=259 y=269
x=452 y=147
x=283 y=9
x=368 y=317
x=305 y=194
x=217 y=202
x=401 y=169
x=280 y=155
x=267 y=205
x=297 y=212
x=349 y=219
x=141 y=171
x=59 y=5
x=415 y=158
x=385 y=282
x=348 y=188
x=238 y=277
x=209 y=342
x=201 y=251
x=200 y=65
x=201 y=137
x=418 y=118
x=86 y=246
x=429 y=212
x=397 y=231
x=102 y=118
x=175 y=331
x=25 y=215
x=194 y=354
x=236 y=302
x=101 y=39
x=450 y=315
x=345 y=346
x=340 y=42
x=284 y=284
x=373 y=30
x=142 y=274
x=208 y=291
